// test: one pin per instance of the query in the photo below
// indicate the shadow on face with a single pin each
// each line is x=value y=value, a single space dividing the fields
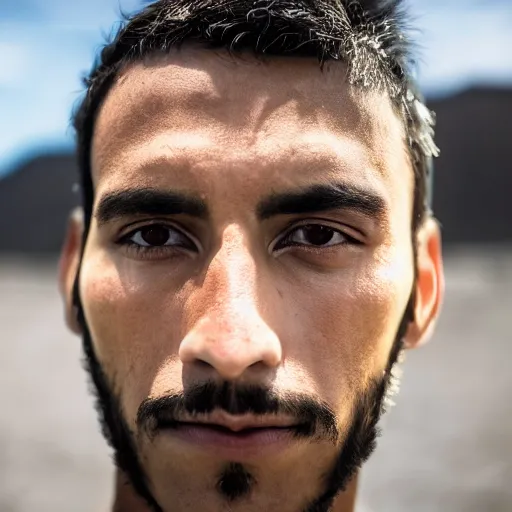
x=244 y=287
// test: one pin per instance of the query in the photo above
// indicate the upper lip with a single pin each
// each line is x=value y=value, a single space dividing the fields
x=242 y=422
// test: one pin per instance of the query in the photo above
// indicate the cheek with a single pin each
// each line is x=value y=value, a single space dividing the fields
x=347 y=327
x=133 y=328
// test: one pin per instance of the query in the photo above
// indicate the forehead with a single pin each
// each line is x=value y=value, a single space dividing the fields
x=198 y=115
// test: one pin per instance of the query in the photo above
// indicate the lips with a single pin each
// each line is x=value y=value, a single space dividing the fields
x=236 y=437
x=226 y=430
x=234 y=424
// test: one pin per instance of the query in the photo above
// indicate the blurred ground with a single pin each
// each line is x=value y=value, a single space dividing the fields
x=447 y=445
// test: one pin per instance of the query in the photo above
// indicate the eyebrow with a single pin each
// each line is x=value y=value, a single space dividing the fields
x=318 y=198
x=148 y=201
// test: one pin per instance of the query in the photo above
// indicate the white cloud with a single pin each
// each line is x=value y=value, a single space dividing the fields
x=14 y=64
x=89 y=15
x=466 y=45
x=39 y=82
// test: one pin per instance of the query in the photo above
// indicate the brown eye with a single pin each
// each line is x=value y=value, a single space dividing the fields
x=157 y=235
x=317 y=235
x=313 y=235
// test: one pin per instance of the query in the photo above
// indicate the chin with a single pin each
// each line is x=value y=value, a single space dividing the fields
x=289 y=480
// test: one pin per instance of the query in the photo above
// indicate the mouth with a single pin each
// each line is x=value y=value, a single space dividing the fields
x=237 y=438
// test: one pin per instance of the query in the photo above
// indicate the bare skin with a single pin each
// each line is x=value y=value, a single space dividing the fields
x=238 y=295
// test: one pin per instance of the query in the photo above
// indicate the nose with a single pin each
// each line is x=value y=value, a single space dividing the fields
x=232 y=350
x=230 y=335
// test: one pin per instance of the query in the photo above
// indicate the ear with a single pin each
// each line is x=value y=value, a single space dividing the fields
x=68 y=266
x=429 y=285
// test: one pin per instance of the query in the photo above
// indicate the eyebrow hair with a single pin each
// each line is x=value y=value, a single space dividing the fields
x=318 y=198
x=148 y=201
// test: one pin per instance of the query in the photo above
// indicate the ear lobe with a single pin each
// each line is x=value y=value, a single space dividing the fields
x=429 y=285
x=68 y=266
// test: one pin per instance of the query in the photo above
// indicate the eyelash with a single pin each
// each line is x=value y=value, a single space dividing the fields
x=165 y=250
x=155 y=251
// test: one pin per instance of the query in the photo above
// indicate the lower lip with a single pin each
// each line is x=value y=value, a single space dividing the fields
x=243 y=444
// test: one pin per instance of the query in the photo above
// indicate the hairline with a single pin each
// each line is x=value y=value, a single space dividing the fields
x=236 y=57
x=130 y=47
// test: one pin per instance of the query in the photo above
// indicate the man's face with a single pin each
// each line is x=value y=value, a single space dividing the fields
x=251 y=232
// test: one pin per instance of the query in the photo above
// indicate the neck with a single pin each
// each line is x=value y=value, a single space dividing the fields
x=127 y=500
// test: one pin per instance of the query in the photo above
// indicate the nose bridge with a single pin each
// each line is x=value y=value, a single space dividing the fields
x=231 y=335
x=233 y=274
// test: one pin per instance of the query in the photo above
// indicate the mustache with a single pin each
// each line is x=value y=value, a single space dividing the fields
x=314 y=418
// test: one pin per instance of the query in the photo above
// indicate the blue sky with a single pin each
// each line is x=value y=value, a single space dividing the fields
x=46 y=45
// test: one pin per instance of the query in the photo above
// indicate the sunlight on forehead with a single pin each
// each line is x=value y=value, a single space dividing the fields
x=194 y=87
x=284 y=118
x=197 y=160
x=161 y=75
x=171 y=144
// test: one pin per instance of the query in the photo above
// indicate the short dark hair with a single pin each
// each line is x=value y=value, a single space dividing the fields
x=369 y=36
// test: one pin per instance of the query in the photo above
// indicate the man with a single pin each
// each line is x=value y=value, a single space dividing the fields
x=255 y=248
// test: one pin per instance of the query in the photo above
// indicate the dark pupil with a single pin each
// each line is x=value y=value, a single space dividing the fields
x=155 y=235
x=318 y=235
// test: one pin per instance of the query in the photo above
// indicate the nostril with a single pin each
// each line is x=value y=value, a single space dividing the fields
x=203 y=365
